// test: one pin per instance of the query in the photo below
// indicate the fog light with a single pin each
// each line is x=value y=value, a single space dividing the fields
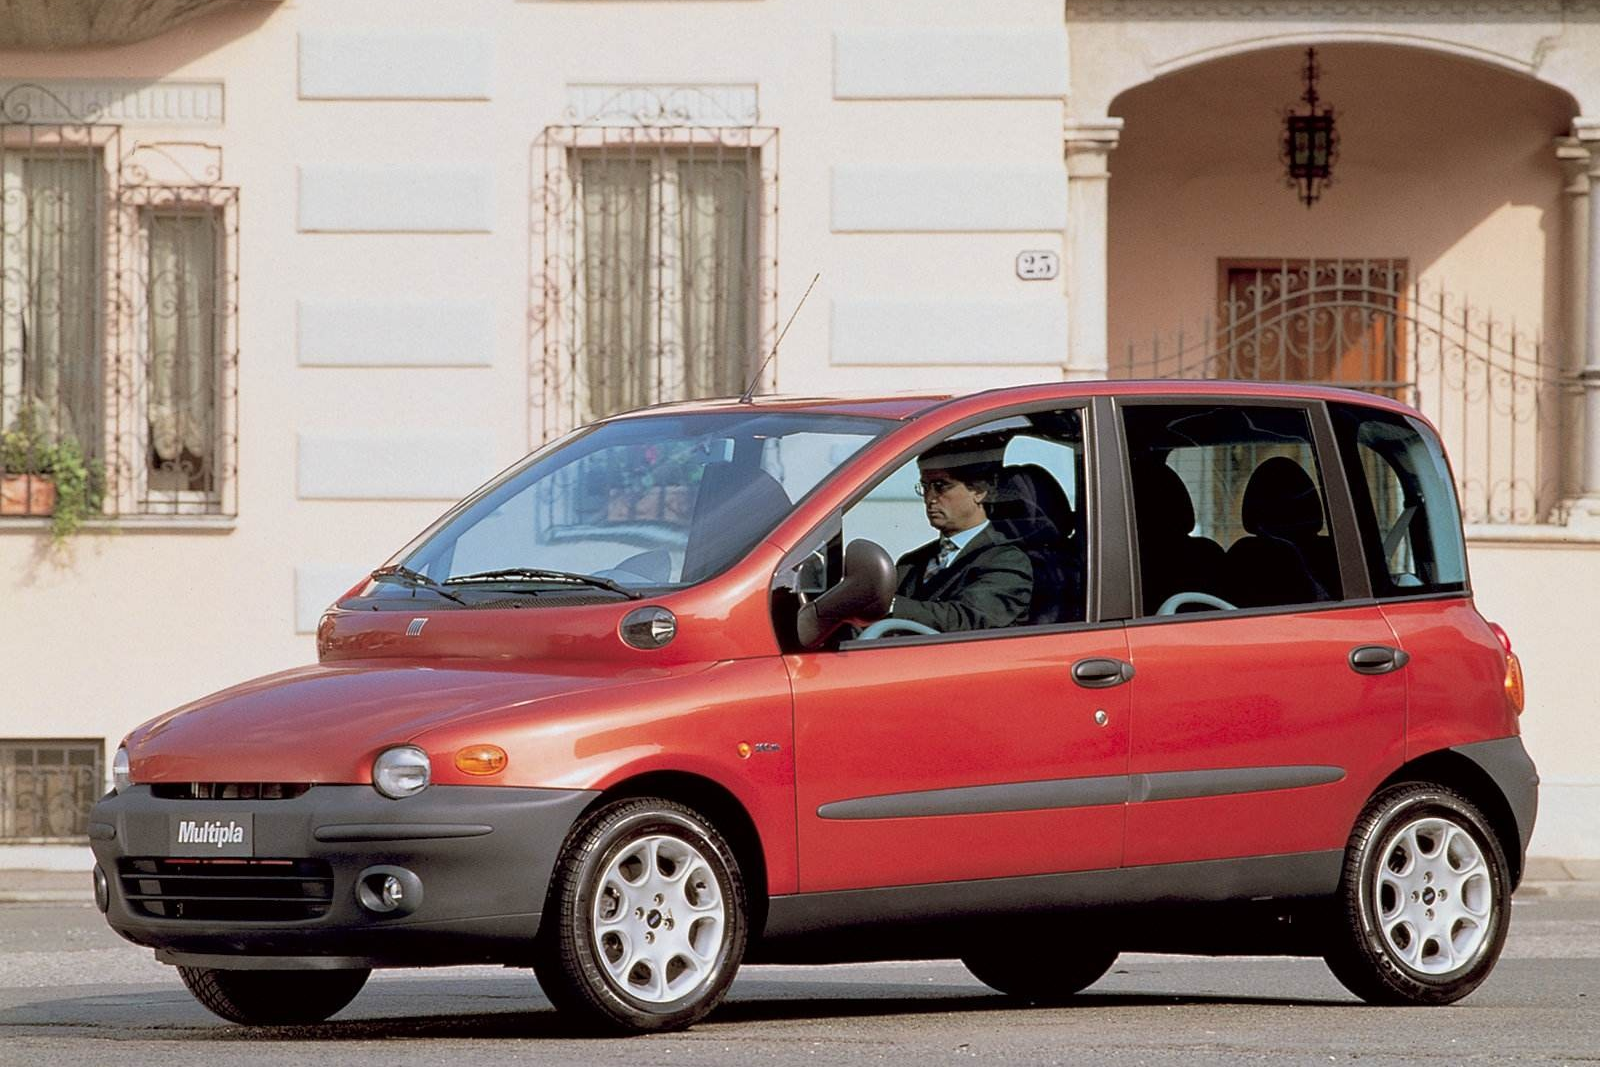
x=102 y=889
x=389 y=891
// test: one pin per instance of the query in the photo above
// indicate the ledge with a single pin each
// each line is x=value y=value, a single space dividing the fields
x=129 y=524
x=1544 y=535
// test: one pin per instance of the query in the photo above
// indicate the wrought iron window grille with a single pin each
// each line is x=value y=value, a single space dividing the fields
x=654 y=272
x=119 y=297
x=47 y=787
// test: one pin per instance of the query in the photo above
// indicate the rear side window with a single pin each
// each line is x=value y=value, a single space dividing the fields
x=1229 y=508
x=1405 y=502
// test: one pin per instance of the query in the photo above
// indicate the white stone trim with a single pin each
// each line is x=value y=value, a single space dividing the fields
x=396 y=466
x=396 y=198
x=1332 y=35
x=348 y=64
x=950 y=63
x=367 y=333
x=922 y=333
x=127 y=102
x=627 y=104
x=944 y=199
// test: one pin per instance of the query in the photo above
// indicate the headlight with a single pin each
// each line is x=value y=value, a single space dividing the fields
x=120 y=778
x=401 y=772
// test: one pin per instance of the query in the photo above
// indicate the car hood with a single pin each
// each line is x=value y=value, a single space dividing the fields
x=326 y=722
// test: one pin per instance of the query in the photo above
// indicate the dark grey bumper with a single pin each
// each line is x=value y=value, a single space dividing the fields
x=1507 y=763
x=484 y=856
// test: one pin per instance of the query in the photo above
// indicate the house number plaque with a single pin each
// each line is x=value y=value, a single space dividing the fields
x=1038 y=266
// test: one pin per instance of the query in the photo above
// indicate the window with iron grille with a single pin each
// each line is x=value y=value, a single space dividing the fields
x=657 y=275
x=47 y=788
x=118 y=316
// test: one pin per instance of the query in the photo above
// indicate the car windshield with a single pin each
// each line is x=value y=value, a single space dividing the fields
x=650 y=502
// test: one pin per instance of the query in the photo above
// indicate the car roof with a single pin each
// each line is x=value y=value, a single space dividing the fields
x=909 y=405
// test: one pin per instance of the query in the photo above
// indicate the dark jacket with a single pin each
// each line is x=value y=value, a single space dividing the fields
x=987 y=585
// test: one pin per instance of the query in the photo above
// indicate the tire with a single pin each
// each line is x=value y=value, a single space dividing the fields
x=1423 y=901
x=1041 y=978
x=273 y=998
x=646 y=920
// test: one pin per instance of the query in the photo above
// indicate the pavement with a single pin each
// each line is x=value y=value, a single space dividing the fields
x=1571 y=879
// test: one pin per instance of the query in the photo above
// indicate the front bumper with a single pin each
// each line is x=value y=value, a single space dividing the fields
x=483 y=854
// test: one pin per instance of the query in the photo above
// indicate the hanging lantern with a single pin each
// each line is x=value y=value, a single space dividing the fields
x=1310 y=142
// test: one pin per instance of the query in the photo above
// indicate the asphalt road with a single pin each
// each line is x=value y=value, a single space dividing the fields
x=71 y=992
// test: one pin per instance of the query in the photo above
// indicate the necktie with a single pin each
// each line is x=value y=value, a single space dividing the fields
x=941 y=559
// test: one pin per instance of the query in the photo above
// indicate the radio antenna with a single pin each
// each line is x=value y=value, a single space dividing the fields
x=750 y=391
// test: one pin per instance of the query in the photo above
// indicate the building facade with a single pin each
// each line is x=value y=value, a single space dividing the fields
x=280 y=280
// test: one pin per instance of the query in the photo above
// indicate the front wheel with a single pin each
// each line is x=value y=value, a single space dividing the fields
x=1424 y=899
x=1041 y=974
x=646 y=921
x=273 y=998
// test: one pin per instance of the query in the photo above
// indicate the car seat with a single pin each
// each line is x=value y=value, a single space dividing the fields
x=733 y=510
x=1032 y=510
x=1282 y=559
x=1171 y=558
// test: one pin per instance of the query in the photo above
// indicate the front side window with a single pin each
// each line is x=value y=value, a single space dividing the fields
x=655 y=502
x=1410 y=525
x=986 y=528
x=1229 y=508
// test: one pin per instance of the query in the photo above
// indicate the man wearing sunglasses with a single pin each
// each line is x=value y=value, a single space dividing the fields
x=971 y=578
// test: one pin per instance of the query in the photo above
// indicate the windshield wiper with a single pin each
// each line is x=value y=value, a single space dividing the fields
x=540 y=575
x=399 y=572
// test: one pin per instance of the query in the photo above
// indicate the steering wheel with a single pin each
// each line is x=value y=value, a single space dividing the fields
x=1171 y=605
x=891 y=627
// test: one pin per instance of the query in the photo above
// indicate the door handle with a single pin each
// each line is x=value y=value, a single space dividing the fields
x=1101 y=673
x=1377 y=659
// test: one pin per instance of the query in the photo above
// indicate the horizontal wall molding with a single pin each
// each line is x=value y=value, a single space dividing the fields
x=127 y=102
x=400 y=466
x=932 y=199
x=888 y=64
x=317 y=585
x=910 y=333
x=396 y=198
x=396 y=334
x=396 y=65
x=663 y=105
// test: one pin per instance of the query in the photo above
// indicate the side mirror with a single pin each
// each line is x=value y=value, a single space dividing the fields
x=862 y=595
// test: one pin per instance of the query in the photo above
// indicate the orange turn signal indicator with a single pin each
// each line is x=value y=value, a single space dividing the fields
x=1516 y=695
x=481 y=759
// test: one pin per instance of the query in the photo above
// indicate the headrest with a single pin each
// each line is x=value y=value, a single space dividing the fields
x=1161 y=501
x=1281 y=501
x=1030 y=504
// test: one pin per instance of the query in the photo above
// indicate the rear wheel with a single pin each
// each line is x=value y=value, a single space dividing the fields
x=273 y=998
x=646 y=923
x=1041 y=973
x=1424 y=899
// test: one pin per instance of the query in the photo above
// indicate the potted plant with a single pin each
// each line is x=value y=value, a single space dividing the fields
x=26 y=457
x=42 y=477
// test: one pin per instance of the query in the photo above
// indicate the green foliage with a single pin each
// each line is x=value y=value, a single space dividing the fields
x=80 y=482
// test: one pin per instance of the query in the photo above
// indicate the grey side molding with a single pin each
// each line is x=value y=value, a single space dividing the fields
x=1507 y=763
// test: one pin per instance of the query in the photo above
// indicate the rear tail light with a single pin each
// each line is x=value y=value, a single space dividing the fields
x=1516 y=696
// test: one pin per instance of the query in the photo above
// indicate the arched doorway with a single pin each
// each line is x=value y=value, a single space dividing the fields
x=1431 y=270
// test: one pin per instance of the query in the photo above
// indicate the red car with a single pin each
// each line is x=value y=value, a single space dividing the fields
x=1028 y=678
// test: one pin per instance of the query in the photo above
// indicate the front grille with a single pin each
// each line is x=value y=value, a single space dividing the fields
x=228 y=890
x=228 y=790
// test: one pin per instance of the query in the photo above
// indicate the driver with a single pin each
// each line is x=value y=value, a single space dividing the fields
x=971 y=578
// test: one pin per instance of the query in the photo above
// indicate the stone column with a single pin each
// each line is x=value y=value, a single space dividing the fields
x=1573 y=156
x=1586 y=510
x=1087 y=144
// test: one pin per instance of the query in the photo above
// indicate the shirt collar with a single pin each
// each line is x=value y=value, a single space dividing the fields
x=964 y=538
